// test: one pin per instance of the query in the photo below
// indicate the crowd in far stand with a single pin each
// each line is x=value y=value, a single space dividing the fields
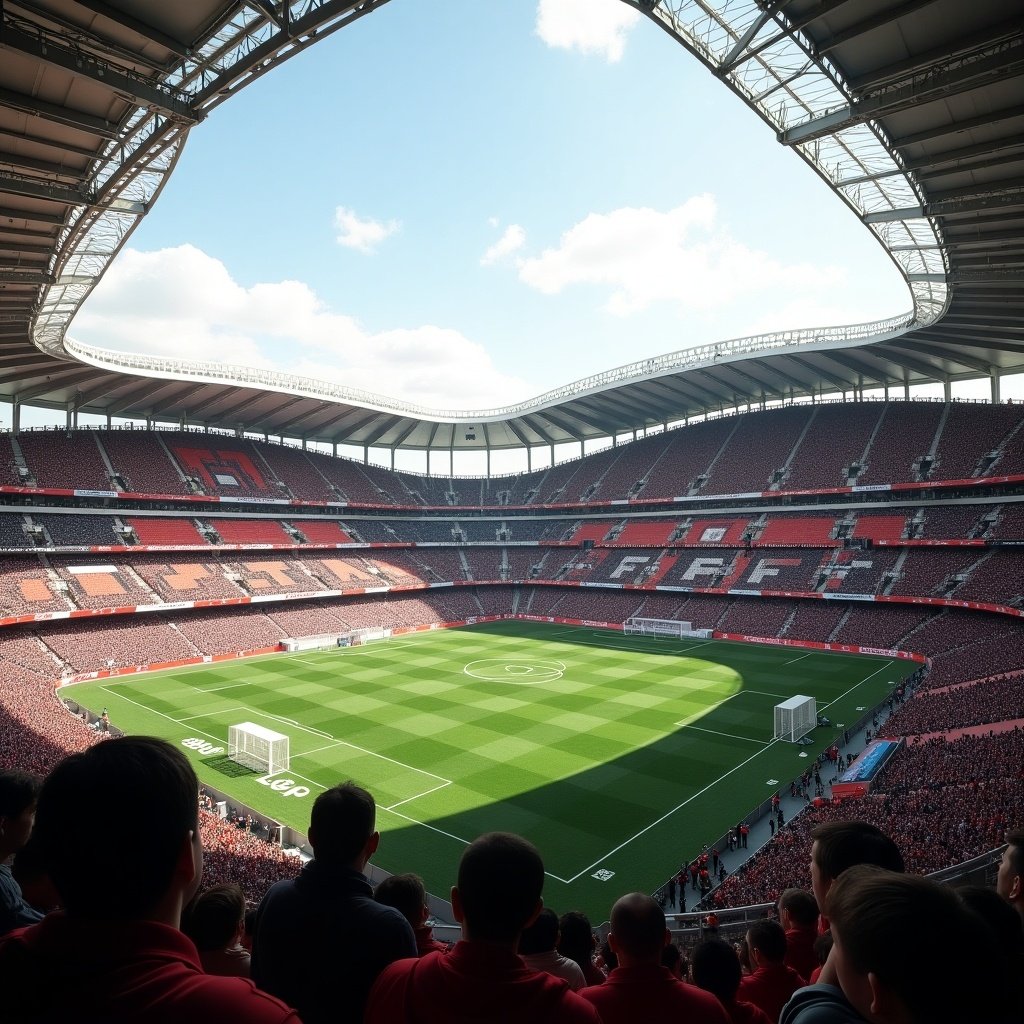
x=943 y=801
x=997 y=700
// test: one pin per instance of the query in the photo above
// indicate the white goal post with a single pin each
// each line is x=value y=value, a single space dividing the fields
x=795 y=718
x=260 y=749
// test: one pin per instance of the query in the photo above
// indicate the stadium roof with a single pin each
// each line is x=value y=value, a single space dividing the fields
x=911 y=110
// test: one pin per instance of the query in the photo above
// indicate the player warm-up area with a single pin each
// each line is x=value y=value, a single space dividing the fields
x=617 y=755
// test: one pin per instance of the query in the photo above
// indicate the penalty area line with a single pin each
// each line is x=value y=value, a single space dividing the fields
x=855 y=685
x=668 y=814
x=727 y=735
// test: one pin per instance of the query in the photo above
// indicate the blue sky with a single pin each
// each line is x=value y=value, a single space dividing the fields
x=464 y=204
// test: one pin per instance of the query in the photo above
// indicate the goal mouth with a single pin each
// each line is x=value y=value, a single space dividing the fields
x=258 y=749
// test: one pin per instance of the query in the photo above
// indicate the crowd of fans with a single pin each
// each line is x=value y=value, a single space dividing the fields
x=943 y=801
x=989 y=700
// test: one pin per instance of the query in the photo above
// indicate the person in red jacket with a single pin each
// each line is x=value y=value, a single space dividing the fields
x=716 y=969
x=640 y=988
x=798 y=915
x=482 y=979
x=772 y=982
x=408 y=895
x=117 y=829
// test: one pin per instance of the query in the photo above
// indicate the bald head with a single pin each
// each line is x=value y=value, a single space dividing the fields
x=638 y=932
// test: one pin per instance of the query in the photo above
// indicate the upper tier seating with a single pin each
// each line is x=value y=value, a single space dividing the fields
x=725 y=532
x=646 y=533
x=953 y=522
x=142 y=462
x=759 y=448
x=967 y=437
x=12 y=532
x=321 y=531
x=157 y=530
x=250 y=531
x=57 y=458
x=274 y=575
x=296 y=472
x=782 y=529
x=223 y=465
x=837 y=438
x=682 y=456
x=906 y=434
x=77 y=530
x=1011 y=522
x=880 y=527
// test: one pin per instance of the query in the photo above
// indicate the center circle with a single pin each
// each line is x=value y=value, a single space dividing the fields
x=521 y=671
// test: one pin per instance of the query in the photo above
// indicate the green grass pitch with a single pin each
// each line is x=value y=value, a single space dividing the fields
x=619 y=756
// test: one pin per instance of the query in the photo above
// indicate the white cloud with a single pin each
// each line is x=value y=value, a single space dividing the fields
x=364 y=235
x=513 y=238
x=184 y=304
x=590 y=26
x=642 y=257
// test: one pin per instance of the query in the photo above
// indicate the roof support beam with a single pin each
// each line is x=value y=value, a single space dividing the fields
x=56 y=381
x=839 y=383
x=85 y=65
x=539 y=431
x=895 y=351
x=943 y=54
x=958 y=127
x=954 y=355
x=376 y=434
x=147 y=390
x=59 y=114
x=32 y=217
x=572 y=431
x=513 y=426
x=885 y=17
x=940 y=85
x=48 y=167
x=141 y=28
x=184 y=396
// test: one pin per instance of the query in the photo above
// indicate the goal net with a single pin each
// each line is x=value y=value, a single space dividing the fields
x=640 y=626
x=795 y=718
x=260 y=749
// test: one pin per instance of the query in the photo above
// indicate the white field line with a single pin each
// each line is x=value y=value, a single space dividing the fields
x=189 y=718
x=217 y=689
x=765 y=693
x=795 y=660
x=345 y=743
x=459 y=839
x=855 y=685
x=348 y=652
x=417 y=796
x=318 y=750
x=668 y=814
x=728 y=735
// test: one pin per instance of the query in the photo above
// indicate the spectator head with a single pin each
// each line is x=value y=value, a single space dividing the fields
x=674 y=960
x=31 y=875
x=576 y=937
x=716 y=969
x=542 y=935
x=767 y=943
x=1010 y=880
x=497 y=894
x=117 y=828
x=638 y=931
x=216 y=918
x=341 y=826
x=839 y=845
x=407 y=894
x=248 y=929
x=891 y=931
x=797 y=909
x=18 y=794
x=822 y=948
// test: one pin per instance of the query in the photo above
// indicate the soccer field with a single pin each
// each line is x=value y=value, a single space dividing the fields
x=619 y=756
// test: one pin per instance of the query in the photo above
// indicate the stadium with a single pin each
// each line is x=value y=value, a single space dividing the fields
x=589 y=653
